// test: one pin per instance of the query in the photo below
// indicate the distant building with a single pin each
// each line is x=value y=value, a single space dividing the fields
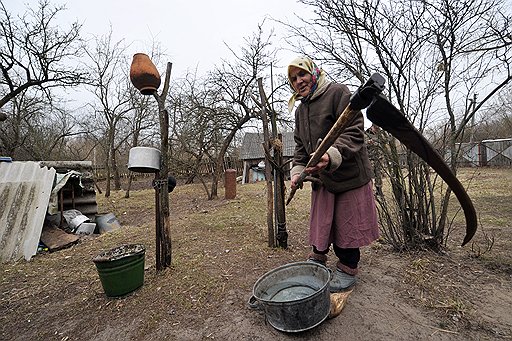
x=253 y=157
x=495 y=152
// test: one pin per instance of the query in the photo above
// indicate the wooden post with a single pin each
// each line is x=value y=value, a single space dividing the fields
x=143 y=71
x=276 y=204
x=163 y=226
x=158 y=223
x=61 y=194
x=280 y=207
x=268 y=172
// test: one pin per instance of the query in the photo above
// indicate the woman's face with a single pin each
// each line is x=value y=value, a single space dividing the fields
x=302 y=81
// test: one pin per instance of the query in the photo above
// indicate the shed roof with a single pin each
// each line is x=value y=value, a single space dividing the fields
x=86 y=201
x=252 y=148
x=497 y=140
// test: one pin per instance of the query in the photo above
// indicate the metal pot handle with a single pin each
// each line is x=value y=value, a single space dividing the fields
x=253 y=303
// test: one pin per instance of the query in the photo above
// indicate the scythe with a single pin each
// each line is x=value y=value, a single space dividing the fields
x=388 y=117
x=381 y=112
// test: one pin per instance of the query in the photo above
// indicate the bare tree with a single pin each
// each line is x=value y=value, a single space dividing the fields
x=35 y=52
x=36 y=129
x=192 y=135
x=110 y=84
x=473 y=41
x=497 y=120
x=234 y=84
x=208 y=113
x=434 y=56
x=494 y=120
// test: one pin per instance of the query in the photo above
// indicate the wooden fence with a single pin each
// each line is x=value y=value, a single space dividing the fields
x=178 y=170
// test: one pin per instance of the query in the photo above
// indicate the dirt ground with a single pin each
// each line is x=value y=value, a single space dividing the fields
x=219 y=250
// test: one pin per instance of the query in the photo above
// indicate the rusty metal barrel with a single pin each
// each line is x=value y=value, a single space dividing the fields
x=230 y=184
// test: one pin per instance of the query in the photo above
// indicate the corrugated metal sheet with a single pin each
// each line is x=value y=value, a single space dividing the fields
x=25 y=189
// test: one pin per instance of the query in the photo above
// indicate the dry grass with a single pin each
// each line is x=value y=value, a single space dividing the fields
x=219 y=249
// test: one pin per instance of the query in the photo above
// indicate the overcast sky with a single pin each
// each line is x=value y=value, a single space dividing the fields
x=192 y=32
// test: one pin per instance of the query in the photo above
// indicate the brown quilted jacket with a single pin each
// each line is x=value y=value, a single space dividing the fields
x=349 y=167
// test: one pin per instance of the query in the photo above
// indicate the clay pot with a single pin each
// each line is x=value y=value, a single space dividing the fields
x=144 y=74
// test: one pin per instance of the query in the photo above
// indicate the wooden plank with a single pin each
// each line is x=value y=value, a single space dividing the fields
x=56 y=239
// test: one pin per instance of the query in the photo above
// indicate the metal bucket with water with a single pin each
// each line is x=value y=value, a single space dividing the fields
x=294 y=297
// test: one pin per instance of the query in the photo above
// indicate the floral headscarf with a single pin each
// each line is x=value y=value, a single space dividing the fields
x=318 y=78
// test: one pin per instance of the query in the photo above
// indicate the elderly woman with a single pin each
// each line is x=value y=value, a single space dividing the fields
x=343 y=211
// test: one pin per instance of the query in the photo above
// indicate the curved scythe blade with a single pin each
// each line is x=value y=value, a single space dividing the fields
x=385 y=115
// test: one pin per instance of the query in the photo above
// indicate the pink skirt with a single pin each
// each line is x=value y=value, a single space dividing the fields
x=347 y=219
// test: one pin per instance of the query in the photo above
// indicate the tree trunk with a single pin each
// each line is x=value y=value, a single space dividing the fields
x=115 y=170
x=129 y=185
x=163 y=225
x=215 y=180
x=107 y=165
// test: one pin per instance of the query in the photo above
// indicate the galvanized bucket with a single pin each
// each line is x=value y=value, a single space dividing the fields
x=144 y=160
x=294 y=297
x=106 y=222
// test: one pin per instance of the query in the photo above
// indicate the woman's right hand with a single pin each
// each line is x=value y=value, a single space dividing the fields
x=294 y=180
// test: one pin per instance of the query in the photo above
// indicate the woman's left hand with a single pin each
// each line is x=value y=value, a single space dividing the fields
x=322 y=164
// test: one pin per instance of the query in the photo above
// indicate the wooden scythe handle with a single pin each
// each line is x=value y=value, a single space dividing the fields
x=346 y=117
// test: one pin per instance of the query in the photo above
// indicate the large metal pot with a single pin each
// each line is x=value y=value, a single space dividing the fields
x=144 y=160
x=294 y=297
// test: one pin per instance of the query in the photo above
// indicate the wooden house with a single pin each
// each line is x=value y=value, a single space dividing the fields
x=253 y=156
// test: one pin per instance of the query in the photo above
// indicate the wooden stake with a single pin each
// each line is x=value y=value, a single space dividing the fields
x=163 y=226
